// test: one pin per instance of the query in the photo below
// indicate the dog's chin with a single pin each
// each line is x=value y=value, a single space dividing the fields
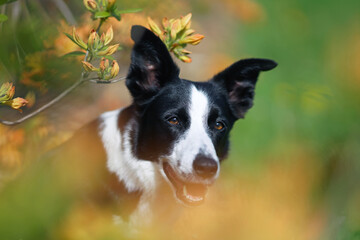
x=189 y=193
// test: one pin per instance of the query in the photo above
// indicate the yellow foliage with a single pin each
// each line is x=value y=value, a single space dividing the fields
x=85 y=222
x=343 y=56
x=34 y=64
x=248 y=11
x=11 y=142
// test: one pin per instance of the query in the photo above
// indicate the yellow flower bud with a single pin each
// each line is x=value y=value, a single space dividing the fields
x=7 y=92
x=186 y=21
x=109 y=50
x=11 y=91
x=114 y=69
x=185 y=59
x=194 y=39
x=102 y=65
x=184 y=51
x=106 y=64
x=154 y=27
x=17 y=103
x=91 y=5
x=109 y=35
x=92 y=39
x=78 y=40
x=102 y=38
x=175 y=28
x=165 y=23
x=171 y=21
x=89 y=67
x=188 y=32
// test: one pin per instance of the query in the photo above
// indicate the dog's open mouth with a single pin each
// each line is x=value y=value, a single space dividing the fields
x=192 y=194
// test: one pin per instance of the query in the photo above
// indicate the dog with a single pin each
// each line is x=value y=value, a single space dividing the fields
x=167 y=145
x=176 y=131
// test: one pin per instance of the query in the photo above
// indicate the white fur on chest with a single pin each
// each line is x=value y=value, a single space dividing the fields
x=137 y=175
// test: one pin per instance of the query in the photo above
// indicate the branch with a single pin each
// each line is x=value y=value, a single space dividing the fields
x=100 y=81
x=59 y=97
x=46 y=106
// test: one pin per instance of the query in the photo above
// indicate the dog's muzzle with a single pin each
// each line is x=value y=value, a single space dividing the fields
x=189 y=192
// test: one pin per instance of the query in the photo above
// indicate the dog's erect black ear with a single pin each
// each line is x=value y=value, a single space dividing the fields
x=239 y=81
x=151 y=65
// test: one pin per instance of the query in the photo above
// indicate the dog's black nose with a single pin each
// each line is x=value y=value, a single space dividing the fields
x=205 y=167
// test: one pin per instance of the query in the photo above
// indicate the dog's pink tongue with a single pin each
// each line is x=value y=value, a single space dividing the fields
x=197 y=190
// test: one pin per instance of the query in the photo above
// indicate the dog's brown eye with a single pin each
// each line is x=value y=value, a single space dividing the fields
x=173 y=120
x=219 y=125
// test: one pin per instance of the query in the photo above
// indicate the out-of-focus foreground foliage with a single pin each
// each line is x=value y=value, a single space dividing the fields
x=294 y=169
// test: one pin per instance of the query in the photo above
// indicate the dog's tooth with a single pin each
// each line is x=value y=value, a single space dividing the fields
x=185 y=191
x=193 y=198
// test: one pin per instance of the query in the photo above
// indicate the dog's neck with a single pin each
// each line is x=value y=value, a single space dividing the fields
x=137 y=175
x=117 y=132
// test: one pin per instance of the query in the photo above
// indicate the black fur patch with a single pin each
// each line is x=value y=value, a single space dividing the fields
x=239 y=81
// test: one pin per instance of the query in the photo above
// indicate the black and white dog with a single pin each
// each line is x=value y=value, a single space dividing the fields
x=176 y=131
x=168 y=144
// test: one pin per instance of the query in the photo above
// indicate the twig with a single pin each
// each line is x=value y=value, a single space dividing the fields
x=58 y=98
x=99 y=81
x=47 y=105
x=100 y=24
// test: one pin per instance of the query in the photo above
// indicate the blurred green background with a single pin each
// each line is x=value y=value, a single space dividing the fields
x=294 y=166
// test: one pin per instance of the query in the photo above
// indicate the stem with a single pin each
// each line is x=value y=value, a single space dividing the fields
x=102 y=20
x=59 y=97
x=46 y=106
x=99 y=81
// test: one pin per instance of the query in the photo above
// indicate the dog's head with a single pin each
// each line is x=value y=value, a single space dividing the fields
x=184 y=125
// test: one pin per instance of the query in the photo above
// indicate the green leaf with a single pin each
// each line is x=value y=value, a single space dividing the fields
x=134 y=10
x=72 y=39
x=3 y=18
x=116 y=15
x=102 y=14
x=75 y=53
x=6 y=1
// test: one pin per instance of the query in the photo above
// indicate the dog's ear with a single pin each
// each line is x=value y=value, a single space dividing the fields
x=151 y=65
x=239 y=81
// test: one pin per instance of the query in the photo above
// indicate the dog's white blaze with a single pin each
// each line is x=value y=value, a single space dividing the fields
x=134 y=173
x=196 y=139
